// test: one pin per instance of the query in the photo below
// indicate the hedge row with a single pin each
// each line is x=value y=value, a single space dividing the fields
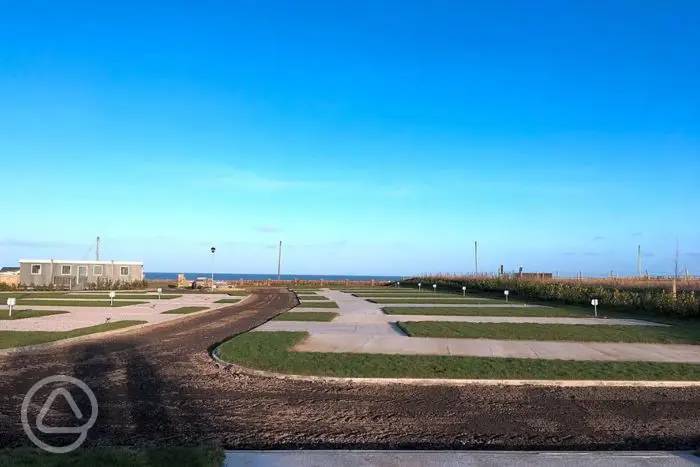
x=685 y=303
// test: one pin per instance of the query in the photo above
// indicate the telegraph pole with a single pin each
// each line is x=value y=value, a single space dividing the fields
x=639 y=260
x=476 y=258
x=279 y=262
x=97 y=249
x=675 y=273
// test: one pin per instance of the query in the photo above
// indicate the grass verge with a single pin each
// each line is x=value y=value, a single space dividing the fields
x=306 y=316
x=554 y=332
x=105 y=303
x=184 y=310
x=25 y=294
x=228 y=300
x=491 y=311
x=122 y=296
x=22 y=314
x=115 y=457
x=318 y=305
x=408 y=295
x=434 y=301
x=21 y=338
x=271 y=351
x=312 y=297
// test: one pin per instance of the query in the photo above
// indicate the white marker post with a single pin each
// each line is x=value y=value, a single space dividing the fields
x=112 y=294
x=419 y=284
x=434 y=287
x=594 y=302
x=160 y=291
x=11 y=302
x=464 y=291
x=506 y=293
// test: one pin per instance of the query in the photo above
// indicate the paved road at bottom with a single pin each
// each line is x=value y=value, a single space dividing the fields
x=344 y=458
x=158 y=385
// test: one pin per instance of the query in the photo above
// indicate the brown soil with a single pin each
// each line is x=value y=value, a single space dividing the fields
x=158 y=385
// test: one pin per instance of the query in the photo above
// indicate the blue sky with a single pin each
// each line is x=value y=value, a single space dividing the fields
x=372 y=137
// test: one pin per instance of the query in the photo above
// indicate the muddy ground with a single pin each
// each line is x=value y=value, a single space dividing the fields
x=159 y=386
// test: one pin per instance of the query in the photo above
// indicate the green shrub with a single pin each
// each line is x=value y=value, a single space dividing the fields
x=654 y=299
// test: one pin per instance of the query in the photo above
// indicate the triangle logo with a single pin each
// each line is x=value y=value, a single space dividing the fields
x=41 y=426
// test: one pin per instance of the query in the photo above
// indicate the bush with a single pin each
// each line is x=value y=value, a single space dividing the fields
x=108 y=284
x=656 y=299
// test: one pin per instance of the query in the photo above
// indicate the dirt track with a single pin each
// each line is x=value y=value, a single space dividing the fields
x=159 y=386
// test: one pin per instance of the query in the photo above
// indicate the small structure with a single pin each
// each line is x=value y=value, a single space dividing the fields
x=202 y=283
x=9 y=276
x=72 y=274
x=182 y=281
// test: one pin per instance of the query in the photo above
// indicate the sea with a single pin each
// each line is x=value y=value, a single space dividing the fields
x=253 y=277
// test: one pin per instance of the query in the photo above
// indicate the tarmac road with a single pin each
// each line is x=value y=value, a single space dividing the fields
x=158 y=385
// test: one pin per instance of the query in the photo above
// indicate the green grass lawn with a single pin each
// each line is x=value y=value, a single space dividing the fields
x=184 y=310
x=170 y=456
x=555 y=332
x=105 y=296
x=238 y=293
x=318 y=305
x=306 y=316
x=270 y=351
x=558 y=312
x=434 y=301
x=21 y=338
x=408 y=295
x=312 y=297
x=25 y=294
x=228 y=300
x=21 y=314
x=377 y=289
x=34 y=302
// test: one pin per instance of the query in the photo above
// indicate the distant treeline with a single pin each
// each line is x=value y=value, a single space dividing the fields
x=632 y=295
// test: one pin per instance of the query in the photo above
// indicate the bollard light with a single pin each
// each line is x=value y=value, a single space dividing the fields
x=434 y=287
x=112 y=294
x=11 y=302
x=464 y=290
x=594 y=302
x=506 y=293
x=419 y=284
x=160 y=291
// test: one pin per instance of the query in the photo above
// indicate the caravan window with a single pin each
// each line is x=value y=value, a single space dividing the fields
x=124 y=270
x=97 y=270
x=36 y=268
x=65 y=270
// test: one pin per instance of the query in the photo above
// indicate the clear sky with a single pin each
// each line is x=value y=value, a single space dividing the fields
x=372 y=137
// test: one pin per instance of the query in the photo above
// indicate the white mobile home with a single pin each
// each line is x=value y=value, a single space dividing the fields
x=77 y=274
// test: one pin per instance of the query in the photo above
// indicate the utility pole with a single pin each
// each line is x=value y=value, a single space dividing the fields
x=639 y=260
x=279 y=262
x=476 y=258
x=675 y=272
x=97 y=249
